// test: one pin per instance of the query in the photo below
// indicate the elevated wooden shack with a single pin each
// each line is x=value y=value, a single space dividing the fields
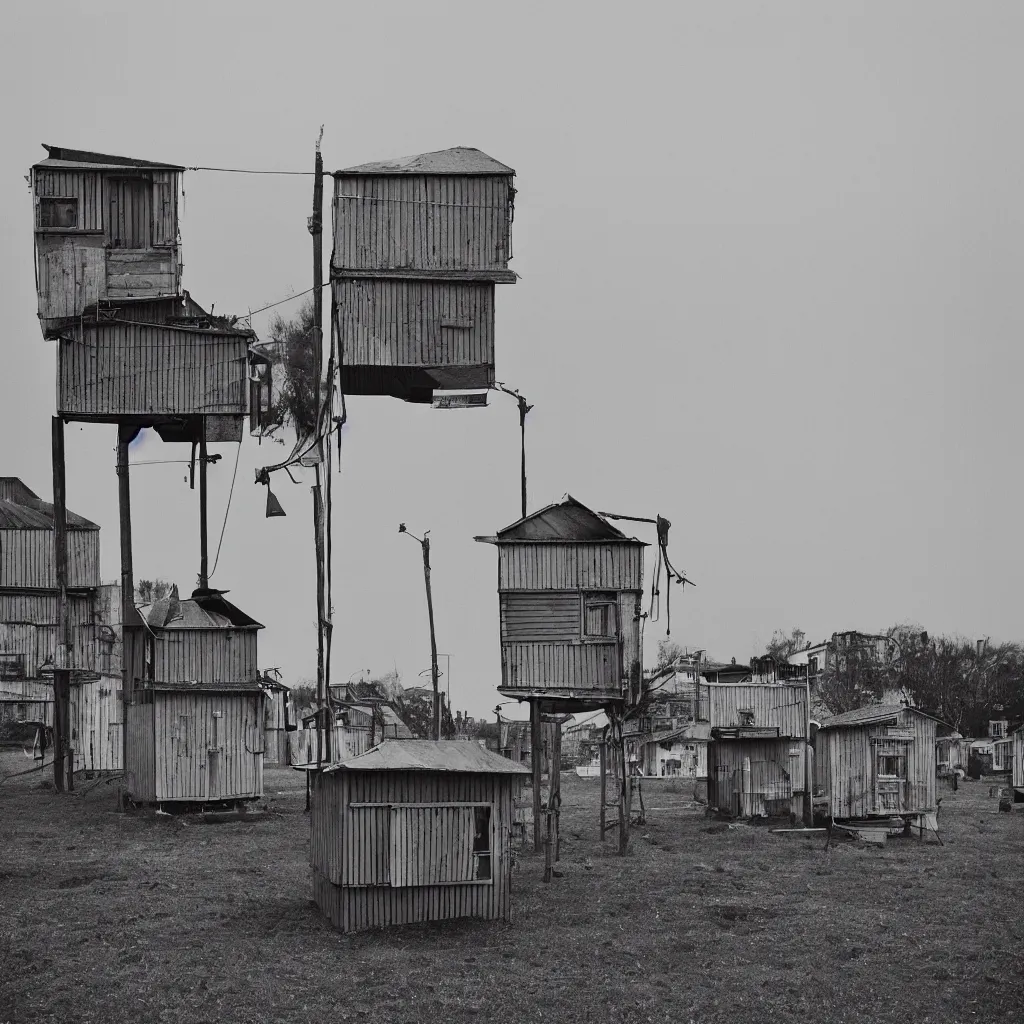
x=413 y=830
x=569 y=590
x=878 y=761
x=419 y=244
x=758 y=753
x=196 y=713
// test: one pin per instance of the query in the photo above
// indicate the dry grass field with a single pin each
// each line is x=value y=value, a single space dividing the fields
x=112 y=917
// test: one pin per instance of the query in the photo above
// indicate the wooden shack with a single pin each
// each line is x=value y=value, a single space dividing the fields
x=758 y=752
x=419 y=244
x=569 y=591
x=196 y=715
x=877 y=761
x=413 y=830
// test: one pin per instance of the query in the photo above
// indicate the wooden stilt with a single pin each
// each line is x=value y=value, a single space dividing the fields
x=125 y=435
x=555 y=786
x=63 y=756
x=604 y=788
x=537 y=758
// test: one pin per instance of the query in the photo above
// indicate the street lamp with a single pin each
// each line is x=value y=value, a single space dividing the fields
x=424 y=543
x=523 y=410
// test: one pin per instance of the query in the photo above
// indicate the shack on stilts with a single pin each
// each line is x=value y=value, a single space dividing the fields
x=413 y=830
x=569 y=592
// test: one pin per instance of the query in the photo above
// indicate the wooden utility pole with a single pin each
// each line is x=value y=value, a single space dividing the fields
x=604 y=787
x=537 y=763
x=808 y=781
x=322 y=725
x=433 y=639
x=63 y=755
x=204 y=543
x=125 y=435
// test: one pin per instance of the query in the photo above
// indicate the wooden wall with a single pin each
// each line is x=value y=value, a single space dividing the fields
x=140 y=753
x=420 y=222
x=570 y=566
x=27 y=559
x=776 y=775
x=109 y=370
x=351 y=848
x=205 y=655
x=587 y=666
x=774 y=705
x=28 y=627
x=96 y=715
x=845 y=766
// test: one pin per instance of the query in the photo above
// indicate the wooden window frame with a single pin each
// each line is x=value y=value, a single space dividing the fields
x=56 y=228
x=13 y=666
x=599 y=599
x=490 y=852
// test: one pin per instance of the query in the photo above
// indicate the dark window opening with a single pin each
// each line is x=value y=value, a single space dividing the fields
x=58 y=213
x=12 y=666
x=892 y=765
x=482 y=843
x=600 y=618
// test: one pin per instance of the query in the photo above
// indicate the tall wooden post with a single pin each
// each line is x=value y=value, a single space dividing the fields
x=433 y=639
x=63 y=756
x=523 y=410
x=808 y=781
x=537 y=763
x=204 y=543
x=555 y=788
x=124 y=508
x=322 y=704
x=604 y=787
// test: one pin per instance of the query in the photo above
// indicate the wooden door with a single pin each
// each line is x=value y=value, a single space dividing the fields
x=215 y=759
x=890 y=777
x=130 y=224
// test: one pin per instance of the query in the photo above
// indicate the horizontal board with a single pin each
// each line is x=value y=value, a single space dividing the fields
x=540 y=615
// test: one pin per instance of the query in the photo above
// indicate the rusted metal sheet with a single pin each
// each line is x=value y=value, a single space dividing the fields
x=365 y=876
x=423 y=222
x=781 y=706
x=554 y=566
x=106 y=371
x=402 y=335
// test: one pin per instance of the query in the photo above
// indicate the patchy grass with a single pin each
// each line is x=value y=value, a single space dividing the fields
x=106 y=917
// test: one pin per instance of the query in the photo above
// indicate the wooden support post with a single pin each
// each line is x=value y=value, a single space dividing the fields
x=204 y=543
x=322 y=709
x=433 y=638
x=555 y=787
x=623 y=795
x=63 y=755
x=124 y=508
x=537 y=763
x=604 y=787
x=548 y=815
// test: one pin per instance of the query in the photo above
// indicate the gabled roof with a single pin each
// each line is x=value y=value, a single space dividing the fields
x=563 y=522
x=871 y=715
x=204 y=610
x=59 y=155
x=22 y=509
x=430 y=756
x=460 y=160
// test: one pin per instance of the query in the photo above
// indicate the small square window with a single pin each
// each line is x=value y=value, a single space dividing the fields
x=58 y=212
x=600 y=618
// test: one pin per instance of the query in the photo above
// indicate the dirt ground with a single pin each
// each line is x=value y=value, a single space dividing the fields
x=113 y=917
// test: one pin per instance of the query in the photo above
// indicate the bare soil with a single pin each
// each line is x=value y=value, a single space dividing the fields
x=113 y=917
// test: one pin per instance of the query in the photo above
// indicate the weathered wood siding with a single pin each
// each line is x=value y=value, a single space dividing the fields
x=96 y=725
x=140 y=755
x=27 y=559
x=28 y=627
x=352 y=848
x=71 y=275
x=71 y=183
x=776 y=775
x=422 y=222
x=135 y=273
x=774 y=705
x=205 y=655
x=108 y=370
x=1017 y=770
x=426 y=324
x=570 y=566
x=590 y=666
x=846 y=761
x=200 y=757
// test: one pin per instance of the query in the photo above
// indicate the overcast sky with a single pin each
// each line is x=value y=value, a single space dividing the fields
x=770 y=259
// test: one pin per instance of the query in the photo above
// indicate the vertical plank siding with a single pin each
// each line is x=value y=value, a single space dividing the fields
x=351 y=852
x=96 y=725
x=846 y=760
x=576 y=666
x=776 y=774
x=422 y=222
x=28 y=560
x=140 y=755
x=774 y=705
x=132 y=369
x=1017 y=770
x=205 y=655
x=575 y=566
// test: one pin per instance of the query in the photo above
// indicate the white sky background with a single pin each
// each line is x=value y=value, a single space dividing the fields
x=770 y=259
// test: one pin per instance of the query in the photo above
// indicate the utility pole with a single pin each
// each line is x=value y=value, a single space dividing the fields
x=424 y=543
x=523 y=410
x=125 y=435
x=204 y=544
x=63 y=755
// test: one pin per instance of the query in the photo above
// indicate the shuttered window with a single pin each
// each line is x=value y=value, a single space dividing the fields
x=600 y=618
x=540 y=615
x=438 y=845
x=57 y=212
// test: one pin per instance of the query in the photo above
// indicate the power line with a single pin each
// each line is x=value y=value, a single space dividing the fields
x=216 y=559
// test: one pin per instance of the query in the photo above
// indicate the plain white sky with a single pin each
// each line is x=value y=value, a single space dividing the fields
x=770 y=255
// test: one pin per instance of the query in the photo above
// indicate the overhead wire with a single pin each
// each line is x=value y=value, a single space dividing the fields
x=223 y=527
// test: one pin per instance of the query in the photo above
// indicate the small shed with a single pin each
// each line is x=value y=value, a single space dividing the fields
x=196 y=714
x=569 y=591
x=878 y=761
x=419 y=244
x=414 y=830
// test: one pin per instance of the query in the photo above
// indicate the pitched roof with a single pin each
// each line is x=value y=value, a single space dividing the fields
x=430 y=756
x=65 y=156
x=206 y=610
x=22 y=509
x=458 y=160
x=565 y=521
x=871 y=715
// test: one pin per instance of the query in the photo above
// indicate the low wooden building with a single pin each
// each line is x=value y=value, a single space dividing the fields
x=569 y=591
x=757 y=755
x=196 y=717
x=413 y=830
x=419 y=244
x=275 y=721
x=878 y=761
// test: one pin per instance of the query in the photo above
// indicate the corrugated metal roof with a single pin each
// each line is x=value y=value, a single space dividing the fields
x=209 y=611
x=870 y=715
x=78 y=157
x=564 y=521
x=430 y=756
x=458 y=160
x=22 y=509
